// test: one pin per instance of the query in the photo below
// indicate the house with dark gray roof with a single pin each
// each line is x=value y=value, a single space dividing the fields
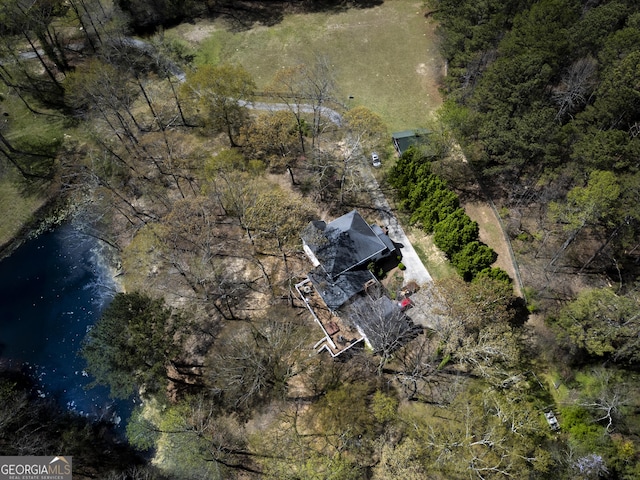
x=345 y=243
x=340 y=251
x=353 y=305
x=337 y=291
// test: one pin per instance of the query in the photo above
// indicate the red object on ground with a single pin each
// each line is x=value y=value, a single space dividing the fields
x=404 y=303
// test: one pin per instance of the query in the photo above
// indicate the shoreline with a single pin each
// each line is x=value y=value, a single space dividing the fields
x=52 y=212
x=86 y=271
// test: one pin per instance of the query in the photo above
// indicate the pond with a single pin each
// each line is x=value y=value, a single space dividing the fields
x=52 y=290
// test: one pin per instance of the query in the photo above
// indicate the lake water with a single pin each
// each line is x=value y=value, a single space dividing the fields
x=52 y=289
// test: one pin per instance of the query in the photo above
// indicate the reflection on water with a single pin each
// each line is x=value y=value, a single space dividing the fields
x=52 y=289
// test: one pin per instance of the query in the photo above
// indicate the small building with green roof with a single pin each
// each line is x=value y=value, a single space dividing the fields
x=408 y=138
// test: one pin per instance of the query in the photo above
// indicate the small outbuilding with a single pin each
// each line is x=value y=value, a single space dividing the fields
x=408 y=138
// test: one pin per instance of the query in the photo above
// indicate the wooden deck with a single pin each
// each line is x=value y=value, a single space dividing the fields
x=338 y=337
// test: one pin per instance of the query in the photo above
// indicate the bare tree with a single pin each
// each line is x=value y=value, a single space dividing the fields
x=320 y=88
x=287 y=87
x=95 y=18
x=257 y=361
x=336 y=173
x=306 y=88
x=416 y=367
x=493 y=353
x=385 y=326
x=575 y=86
x=470 y=445
x=606 y=397
x=347 y=163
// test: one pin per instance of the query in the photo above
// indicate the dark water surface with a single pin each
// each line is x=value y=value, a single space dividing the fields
x=52 y=289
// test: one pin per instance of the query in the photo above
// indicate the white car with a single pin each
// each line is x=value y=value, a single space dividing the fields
x=375 y=160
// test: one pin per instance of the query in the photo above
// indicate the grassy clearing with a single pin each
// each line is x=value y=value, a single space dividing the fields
x=16 y=209
x=385 y=56
x=20 y=198
x=435 y=261
x=558 y=389
x=434 y=414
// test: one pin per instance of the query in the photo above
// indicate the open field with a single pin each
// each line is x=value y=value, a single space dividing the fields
x=385 y=57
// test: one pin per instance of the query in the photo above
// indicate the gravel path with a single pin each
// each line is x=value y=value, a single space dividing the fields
x=331 y=115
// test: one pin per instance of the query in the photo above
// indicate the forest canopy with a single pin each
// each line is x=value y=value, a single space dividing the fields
x=547 y=107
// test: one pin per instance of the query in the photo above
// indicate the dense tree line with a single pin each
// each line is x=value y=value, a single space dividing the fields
x=147 y=15
x=542 y=110
x=436 y=209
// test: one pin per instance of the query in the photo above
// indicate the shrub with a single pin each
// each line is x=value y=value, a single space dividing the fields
x=585 y=434
x=473 y=258
x=494 y=273
x=384 y=407
x=411 y=166
x=437 y=207
x=376 y=270
x=454 y=232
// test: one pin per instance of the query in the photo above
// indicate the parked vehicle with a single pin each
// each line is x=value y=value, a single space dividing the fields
x=375 y=160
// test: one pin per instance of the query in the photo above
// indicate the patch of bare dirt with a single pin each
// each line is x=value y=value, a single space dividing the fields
x=199 y=32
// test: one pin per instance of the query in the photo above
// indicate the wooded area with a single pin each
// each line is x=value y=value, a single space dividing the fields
x=203 y=200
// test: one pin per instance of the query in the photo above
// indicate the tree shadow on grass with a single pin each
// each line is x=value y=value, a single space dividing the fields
x=147 y=16
x=521 y=313
x=243 y=14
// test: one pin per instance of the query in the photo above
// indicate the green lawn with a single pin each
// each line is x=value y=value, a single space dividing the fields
x=385 y=56
x=16 y=209
x=20 y=199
